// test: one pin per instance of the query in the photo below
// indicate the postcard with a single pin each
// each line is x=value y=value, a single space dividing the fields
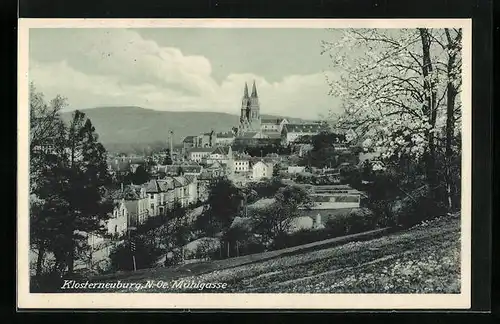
x=244 y=163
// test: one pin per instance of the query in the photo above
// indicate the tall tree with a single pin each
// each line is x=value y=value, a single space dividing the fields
x=47 y=211
x=224 y=203
x=276 y=219
x=46 y=131
x=453 y=75
x=87 y=174
x=394 y=91
x=70 y=173
x=141 y=175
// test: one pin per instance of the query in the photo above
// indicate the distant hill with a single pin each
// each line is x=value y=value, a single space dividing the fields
x=121 y=127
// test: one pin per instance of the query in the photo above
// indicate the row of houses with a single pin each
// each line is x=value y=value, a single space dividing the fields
x=274 y=130
x=234 y=163
x=135 y=204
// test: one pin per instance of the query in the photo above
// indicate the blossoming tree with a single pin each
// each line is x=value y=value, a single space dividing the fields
x=400 y=92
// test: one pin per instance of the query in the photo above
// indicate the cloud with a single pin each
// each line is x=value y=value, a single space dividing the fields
x=119 y=67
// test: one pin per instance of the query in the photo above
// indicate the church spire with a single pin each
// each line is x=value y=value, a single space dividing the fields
x=245 y=93
x=254 y=90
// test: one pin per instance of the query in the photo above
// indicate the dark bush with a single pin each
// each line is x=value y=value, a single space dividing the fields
x=145 y=256
x=303 y=236
x=410 y=212
x=46 y=283
x=267 y=188
x=356 y=221
x=251 y=247
x=173 y=258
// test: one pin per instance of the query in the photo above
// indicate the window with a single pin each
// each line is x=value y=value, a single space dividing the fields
x=151 y=196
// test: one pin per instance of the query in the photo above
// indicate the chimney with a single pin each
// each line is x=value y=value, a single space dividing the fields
x=171 y=144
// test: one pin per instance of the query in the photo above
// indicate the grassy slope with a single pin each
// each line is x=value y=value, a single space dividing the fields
x=423 y=259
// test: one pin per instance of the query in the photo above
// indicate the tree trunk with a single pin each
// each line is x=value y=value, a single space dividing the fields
x=450 y=121
x=450 y=116
x=71 y=258
x=71 y=252
x=39 y=260
x=430 y=102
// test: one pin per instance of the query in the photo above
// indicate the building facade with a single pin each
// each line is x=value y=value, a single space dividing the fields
x=221 y=154
x=273 y=125
x=117 y=224
x=261 y=170
x=241 y=165
x=198 y=154
x=224 y=139
x=204 y=140
x=293 y=132
x=250 y=111
x=188 y=142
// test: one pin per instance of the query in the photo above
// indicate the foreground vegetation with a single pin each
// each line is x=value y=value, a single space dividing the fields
x=423 y=259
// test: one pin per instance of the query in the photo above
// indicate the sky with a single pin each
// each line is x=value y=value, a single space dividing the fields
x=184 y=69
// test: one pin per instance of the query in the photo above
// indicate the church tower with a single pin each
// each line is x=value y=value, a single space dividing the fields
x=250 y=111
x=245 y=111
x=254 y=109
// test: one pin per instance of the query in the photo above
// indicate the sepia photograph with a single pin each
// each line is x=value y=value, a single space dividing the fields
x=237 y=163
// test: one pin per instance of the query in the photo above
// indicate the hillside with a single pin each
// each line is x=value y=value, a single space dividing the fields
x=423 y=259
x=134 y=125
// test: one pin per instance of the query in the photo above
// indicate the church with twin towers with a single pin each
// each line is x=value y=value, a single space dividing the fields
x=252 y=125
x=250 y=120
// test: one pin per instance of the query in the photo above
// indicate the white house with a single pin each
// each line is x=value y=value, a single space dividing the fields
x=197 y=154
x=291 y=132
x=134 y=199
x=224 y=139
x=272 y=124
x=192 y=182
x=137 y=205
x=241 y=165
x=221 y=154
x=181 y=185
x=117 y=223
x=160 y=196
x=261 y=170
